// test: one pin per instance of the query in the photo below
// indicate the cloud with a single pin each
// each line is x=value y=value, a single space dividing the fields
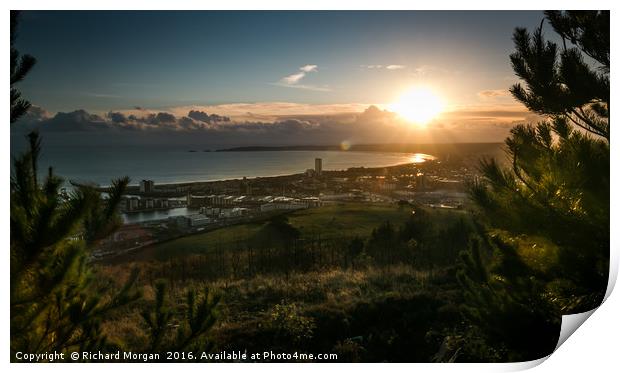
x=386 y=67
x=161 y=118
x=117 y=117
x=493 y=93
x=204 y=117
x=35 y=113
x=271 y=111
x=78 y=120
x=308 y=68
x=101 y=95
x=432 y=71
x=292 y=80
x=272 y=124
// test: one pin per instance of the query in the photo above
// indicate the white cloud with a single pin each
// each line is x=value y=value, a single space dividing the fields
x=292 y=81
x=387 y=67
x=308 y=68
x=304 y=86
x=293 y=78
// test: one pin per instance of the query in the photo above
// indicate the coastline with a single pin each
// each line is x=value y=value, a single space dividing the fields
x=206 y=170
x=273 y=177
x=199 y=183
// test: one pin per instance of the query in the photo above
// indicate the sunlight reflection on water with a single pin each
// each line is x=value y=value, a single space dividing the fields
x=421 y=158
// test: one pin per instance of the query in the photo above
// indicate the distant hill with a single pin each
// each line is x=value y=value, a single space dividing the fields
x=433 y=149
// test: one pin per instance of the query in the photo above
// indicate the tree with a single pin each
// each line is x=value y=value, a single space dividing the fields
x=547 y=211
x=557 y=185
x=191 y=325
x=506 y=303
x=56 y=304
x=566 y=86
x=20 y=67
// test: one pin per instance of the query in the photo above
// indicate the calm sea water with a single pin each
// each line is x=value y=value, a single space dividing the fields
x=169 y=165
x=139 y=217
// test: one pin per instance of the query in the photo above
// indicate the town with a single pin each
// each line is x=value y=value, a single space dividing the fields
x=155 y=213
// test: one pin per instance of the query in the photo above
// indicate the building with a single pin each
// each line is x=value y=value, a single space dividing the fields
x=283 y=203
x=147 y=186
x=245 y=187
x=234 y=212
x=311 y=201
x=164 y=203
x=318 y=166
x=134 y=204
x=210 y=211
x=198 y=220
x=149 y=204
x=194 y=201
x=190 y=221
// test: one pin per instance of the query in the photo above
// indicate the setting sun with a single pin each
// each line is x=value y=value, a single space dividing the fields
x=418 y=105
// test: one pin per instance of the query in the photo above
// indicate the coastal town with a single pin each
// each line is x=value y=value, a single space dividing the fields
x=155 y=213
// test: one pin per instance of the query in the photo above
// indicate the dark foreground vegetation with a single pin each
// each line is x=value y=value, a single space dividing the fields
x=386 y=296
x=486 y=284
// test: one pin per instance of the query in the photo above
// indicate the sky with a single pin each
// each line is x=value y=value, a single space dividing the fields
x=270 y=77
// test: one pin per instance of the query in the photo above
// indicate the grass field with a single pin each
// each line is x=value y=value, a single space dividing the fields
x=349 y=219
x=363 y=308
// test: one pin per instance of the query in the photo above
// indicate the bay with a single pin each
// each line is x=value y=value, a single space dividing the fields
x=165 y=165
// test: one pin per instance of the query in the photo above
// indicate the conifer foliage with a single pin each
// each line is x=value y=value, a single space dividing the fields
x=185 y=329
x=20 y=67
x=572 y=82
x=552 y=197
x=55 y=303
x=557 y=185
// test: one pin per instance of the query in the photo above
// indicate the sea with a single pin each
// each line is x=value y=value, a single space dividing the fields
x=168 y=165
x=165 y=165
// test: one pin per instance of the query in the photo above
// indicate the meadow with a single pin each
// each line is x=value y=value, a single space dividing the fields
x=329 y=221
x=366 y=282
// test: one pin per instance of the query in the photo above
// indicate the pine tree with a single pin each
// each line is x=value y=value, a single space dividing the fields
x=183 y=329
x=56 y=304
x=567 y=84
x=20 y=67
x=552 y=199
x=506 y=302
x=557 y=185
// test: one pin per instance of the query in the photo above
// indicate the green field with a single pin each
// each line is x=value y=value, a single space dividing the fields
x=348 y=219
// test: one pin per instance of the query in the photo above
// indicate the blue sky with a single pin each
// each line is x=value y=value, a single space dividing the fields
x=271 y=77
x=115 y=60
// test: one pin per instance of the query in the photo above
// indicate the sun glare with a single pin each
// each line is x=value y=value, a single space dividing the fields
x=418 y=105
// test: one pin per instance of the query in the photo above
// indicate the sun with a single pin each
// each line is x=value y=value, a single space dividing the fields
x=418 y=105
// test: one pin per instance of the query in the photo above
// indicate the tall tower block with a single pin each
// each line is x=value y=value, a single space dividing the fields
x=318 y=166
